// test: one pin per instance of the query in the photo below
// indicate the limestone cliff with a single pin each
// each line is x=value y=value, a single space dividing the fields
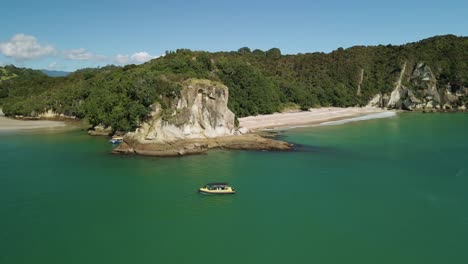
x=421 y=92
x=194 y=121
x=199 y=112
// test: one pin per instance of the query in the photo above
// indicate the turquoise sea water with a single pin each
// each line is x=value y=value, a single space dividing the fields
x=380 y=191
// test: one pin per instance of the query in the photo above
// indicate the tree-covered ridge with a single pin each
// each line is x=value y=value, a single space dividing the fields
x=260 y=82
x=11 y=71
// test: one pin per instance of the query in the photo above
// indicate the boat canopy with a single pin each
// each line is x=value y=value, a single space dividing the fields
x=217 y=184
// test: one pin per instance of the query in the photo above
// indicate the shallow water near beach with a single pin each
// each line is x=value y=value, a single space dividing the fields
x=388 y=190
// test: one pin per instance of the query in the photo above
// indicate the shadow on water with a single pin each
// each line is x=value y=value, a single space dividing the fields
x=281 y=135
x=314 y=149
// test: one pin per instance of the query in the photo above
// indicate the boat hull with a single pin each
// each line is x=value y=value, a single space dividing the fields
x=205 y=191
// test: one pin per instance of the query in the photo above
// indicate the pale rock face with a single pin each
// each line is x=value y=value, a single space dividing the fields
x=385 y=99
x=421 y=94
x=413 y=97
x=423 y=77
x=451 y=97
x=243 y=130
x=429 y=105
x=51 y=114
x=376 y=101
x=399 y=92
x=419 y=106
x=200 y=111
x=395 y=98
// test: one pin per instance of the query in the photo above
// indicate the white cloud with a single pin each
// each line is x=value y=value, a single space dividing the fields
x=82 y=54
x=135 y=58
x=52 y=66
x=25 y=47
x=122 y=59
x=141 y=57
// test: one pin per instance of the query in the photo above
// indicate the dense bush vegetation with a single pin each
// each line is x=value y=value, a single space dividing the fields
x=260 y=82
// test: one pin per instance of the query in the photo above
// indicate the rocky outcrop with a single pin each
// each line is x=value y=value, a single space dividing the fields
x=100 y=130
x=199 y=112
x=421 y=92
x=399 y=92
x=201 y=145
x=196 y=120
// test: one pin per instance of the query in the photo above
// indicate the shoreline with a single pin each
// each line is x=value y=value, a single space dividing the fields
x=342 y=121
x=10 y=125
x=254 y=140
x=313 y=117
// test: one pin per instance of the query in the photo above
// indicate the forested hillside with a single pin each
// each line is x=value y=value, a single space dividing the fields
x=260 y=82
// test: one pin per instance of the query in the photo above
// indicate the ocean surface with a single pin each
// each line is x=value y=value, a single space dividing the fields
x=391 y=190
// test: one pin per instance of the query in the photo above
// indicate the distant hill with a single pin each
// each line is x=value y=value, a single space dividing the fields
x=55 y=73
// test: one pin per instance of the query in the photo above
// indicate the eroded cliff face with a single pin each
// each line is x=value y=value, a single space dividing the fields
x=421 y=92
x=200 y=111
x=194 y=122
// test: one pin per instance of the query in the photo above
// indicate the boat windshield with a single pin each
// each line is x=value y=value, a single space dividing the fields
x=216 y=187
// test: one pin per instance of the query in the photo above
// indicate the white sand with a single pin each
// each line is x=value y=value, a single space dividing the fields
x=312 y=117
x=7 y=124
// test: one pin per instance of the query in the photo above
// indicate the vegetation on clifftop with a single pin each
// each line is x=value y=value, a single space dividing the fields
x=260 y=82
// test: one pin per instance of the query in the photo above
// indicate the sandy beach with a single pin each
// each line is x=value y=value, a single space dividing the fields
x=7 y=124
x=315 y=116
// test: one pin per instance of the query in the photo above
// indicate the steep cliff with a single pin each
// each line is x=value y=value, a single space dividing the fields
x=418 y=89
x=199 y=112
x=196 y=120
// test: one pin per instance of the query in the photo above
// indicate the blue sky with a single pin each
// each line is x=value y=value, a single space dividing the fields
x=67 y=35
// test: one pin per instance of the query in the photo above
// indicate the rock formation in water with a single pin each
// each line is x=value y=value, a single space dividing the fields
x=197 y=120
x=421 y=92
x=199 y=112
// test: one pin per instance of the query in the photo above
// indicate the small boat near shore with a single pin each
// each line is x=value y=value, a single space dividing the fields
x=116 y=140
x=217 y=188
